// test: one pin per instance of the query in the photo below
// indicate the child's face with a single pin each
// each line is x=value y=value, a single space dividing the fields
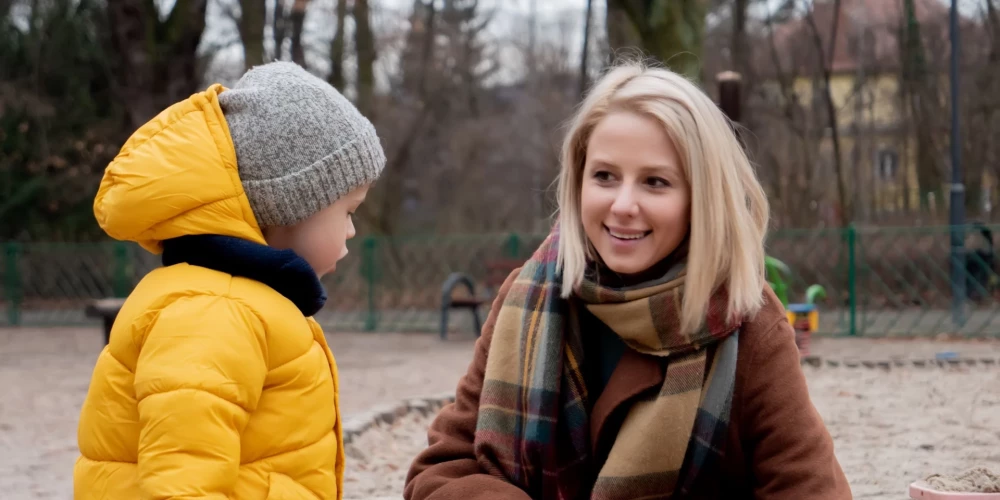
x=635 y=202
x=321 y=239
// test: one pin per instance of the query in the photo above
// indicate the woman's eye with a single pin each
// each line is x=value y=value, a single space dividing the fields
x=658 y=182
x=602 y=175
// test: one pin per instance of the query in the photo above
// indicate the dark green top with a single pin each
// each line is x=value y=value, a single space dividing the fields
x=602 y=349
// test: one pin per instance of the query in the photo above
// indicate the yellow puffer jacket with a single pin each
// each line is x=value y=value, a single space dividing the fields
x=213 y=385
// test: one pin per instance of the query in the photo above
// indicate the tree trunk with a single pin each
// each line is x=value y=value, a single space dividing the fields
x=5 y=6
x=622 y=35
x=392 y=190
x=860 y=187
x=336 y=77
x=920 y=96
x=298 y=21
x=532 y=59
x=364 y=41
x=930 y=178
x=253 y=14
x=740 y=47
x=157 y=60
x=825 y=60
x=428 y=54
x=180 y=68
x=129 y=21
x=670 y=31
x=991 y=74
x=279 y=25
x=993 y=22
x=585 y=51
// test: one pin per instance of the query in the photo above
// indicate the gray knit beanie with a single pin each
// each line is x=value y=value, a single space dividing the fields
x=300 y=144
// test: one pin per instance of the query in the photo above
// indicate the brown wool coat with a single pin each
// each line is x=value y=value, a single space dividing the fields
x=778 y=448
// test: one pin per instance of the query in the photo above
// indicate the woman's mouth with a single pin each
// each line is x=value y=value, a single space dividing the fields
x=626 y=235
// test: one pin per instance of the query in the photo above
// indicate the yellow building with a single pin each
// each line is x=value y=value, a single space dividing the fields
x=880 y=144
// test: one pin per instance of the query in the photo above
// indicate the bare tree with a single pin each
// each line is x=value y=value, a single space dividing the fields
x=336 y=77
x=672 y=31
x=382 y=211
x=825 y=62
x=585 y=51
x=253 y=15
x=364 y=42
x=459 y=149
x=789 y=142
x=979 y=108
x=918 y=92
x=622 y=34
x=739 y=49
x=287 y=24
x=157 y=57
x=989 y=91
x=279 y=28
x=298 y=16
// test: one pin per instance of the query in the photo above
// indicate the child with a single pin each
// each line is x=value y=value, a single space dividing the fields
x=217 y=383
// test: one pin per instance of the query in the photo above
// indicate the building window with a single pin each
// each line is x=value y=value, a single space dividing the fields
x=887 y=163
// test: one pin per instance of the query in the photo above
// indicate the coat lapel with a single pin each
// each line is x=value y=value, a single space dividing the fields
x=635 y=373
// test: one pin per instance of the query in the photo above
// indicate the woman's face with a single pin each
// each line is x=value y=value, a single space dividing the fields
x=635 y=202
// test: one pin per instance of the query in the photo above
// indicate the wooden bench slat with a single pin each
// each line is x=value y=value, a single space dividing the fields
x=107 y=310
x=497 y=271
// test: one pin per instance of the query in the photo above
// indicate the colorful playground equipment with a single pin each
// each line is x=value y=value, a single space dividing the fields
x=804 y=316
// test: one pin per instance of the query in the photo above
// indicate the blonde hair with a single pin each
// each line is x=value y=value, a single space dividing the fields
x=729 y=210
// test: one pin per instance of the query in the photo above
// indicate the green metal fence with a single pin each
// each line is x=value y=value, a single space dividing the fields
x=879 y=281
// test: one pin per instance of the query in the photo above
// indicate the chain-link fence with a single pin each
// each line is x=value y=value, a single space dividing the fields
x=879 y=281
x=897 y=281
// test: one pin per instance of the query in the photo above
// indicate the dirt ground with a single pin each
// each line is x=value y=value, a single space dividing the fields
x=890 y=428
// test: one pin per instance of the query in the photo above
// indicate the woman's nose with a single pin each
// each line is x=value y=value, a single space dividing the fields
x=625 y=203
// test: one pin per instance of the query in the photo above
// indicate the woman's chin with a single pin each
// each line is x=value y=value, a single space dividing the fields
x=626 y=266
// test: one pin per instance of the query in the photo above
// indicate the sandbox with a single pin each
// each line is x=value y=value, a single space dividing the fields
x=976 y=483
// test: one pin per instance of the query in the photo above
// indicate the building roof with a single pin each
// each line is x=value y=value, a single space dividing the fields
x=868 y=32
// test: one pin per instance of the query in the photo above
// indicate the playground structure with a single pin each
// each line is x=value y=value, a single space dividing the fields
x=803 y=316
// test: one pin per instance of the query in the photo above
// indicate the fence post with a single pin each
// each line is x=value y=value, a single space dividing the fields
x=852 y=278
x=513 y=246
x=12 y=252
x=121 y=282
x=368 y=256
x=958 y=277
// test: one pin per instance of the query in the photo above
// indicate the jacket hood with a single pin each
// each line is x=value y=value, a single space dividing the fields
x=177 y=176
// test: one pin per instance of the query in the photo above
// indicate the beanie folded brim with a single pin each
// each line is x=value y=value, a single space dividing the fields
x=317 y=186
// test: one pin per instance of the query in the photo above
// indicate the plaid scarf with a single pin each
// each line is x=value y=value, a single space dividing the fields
x=533 y=424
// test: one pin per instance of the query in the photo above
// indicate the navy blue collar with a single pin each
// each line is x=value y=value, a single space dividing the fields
x=282 y=270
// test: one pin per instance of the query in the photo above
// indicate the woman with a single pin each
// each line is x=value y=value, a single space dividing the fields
x=639 y=353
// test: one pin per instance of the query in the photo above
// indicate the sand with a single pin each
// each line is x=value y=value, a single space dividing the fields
x=974 y=480
x=893 y=428
x=890 y=428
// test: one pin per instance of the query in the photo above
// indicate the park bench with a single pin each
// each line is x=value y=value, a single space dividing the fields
x=107 y=311
x=497 y=272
